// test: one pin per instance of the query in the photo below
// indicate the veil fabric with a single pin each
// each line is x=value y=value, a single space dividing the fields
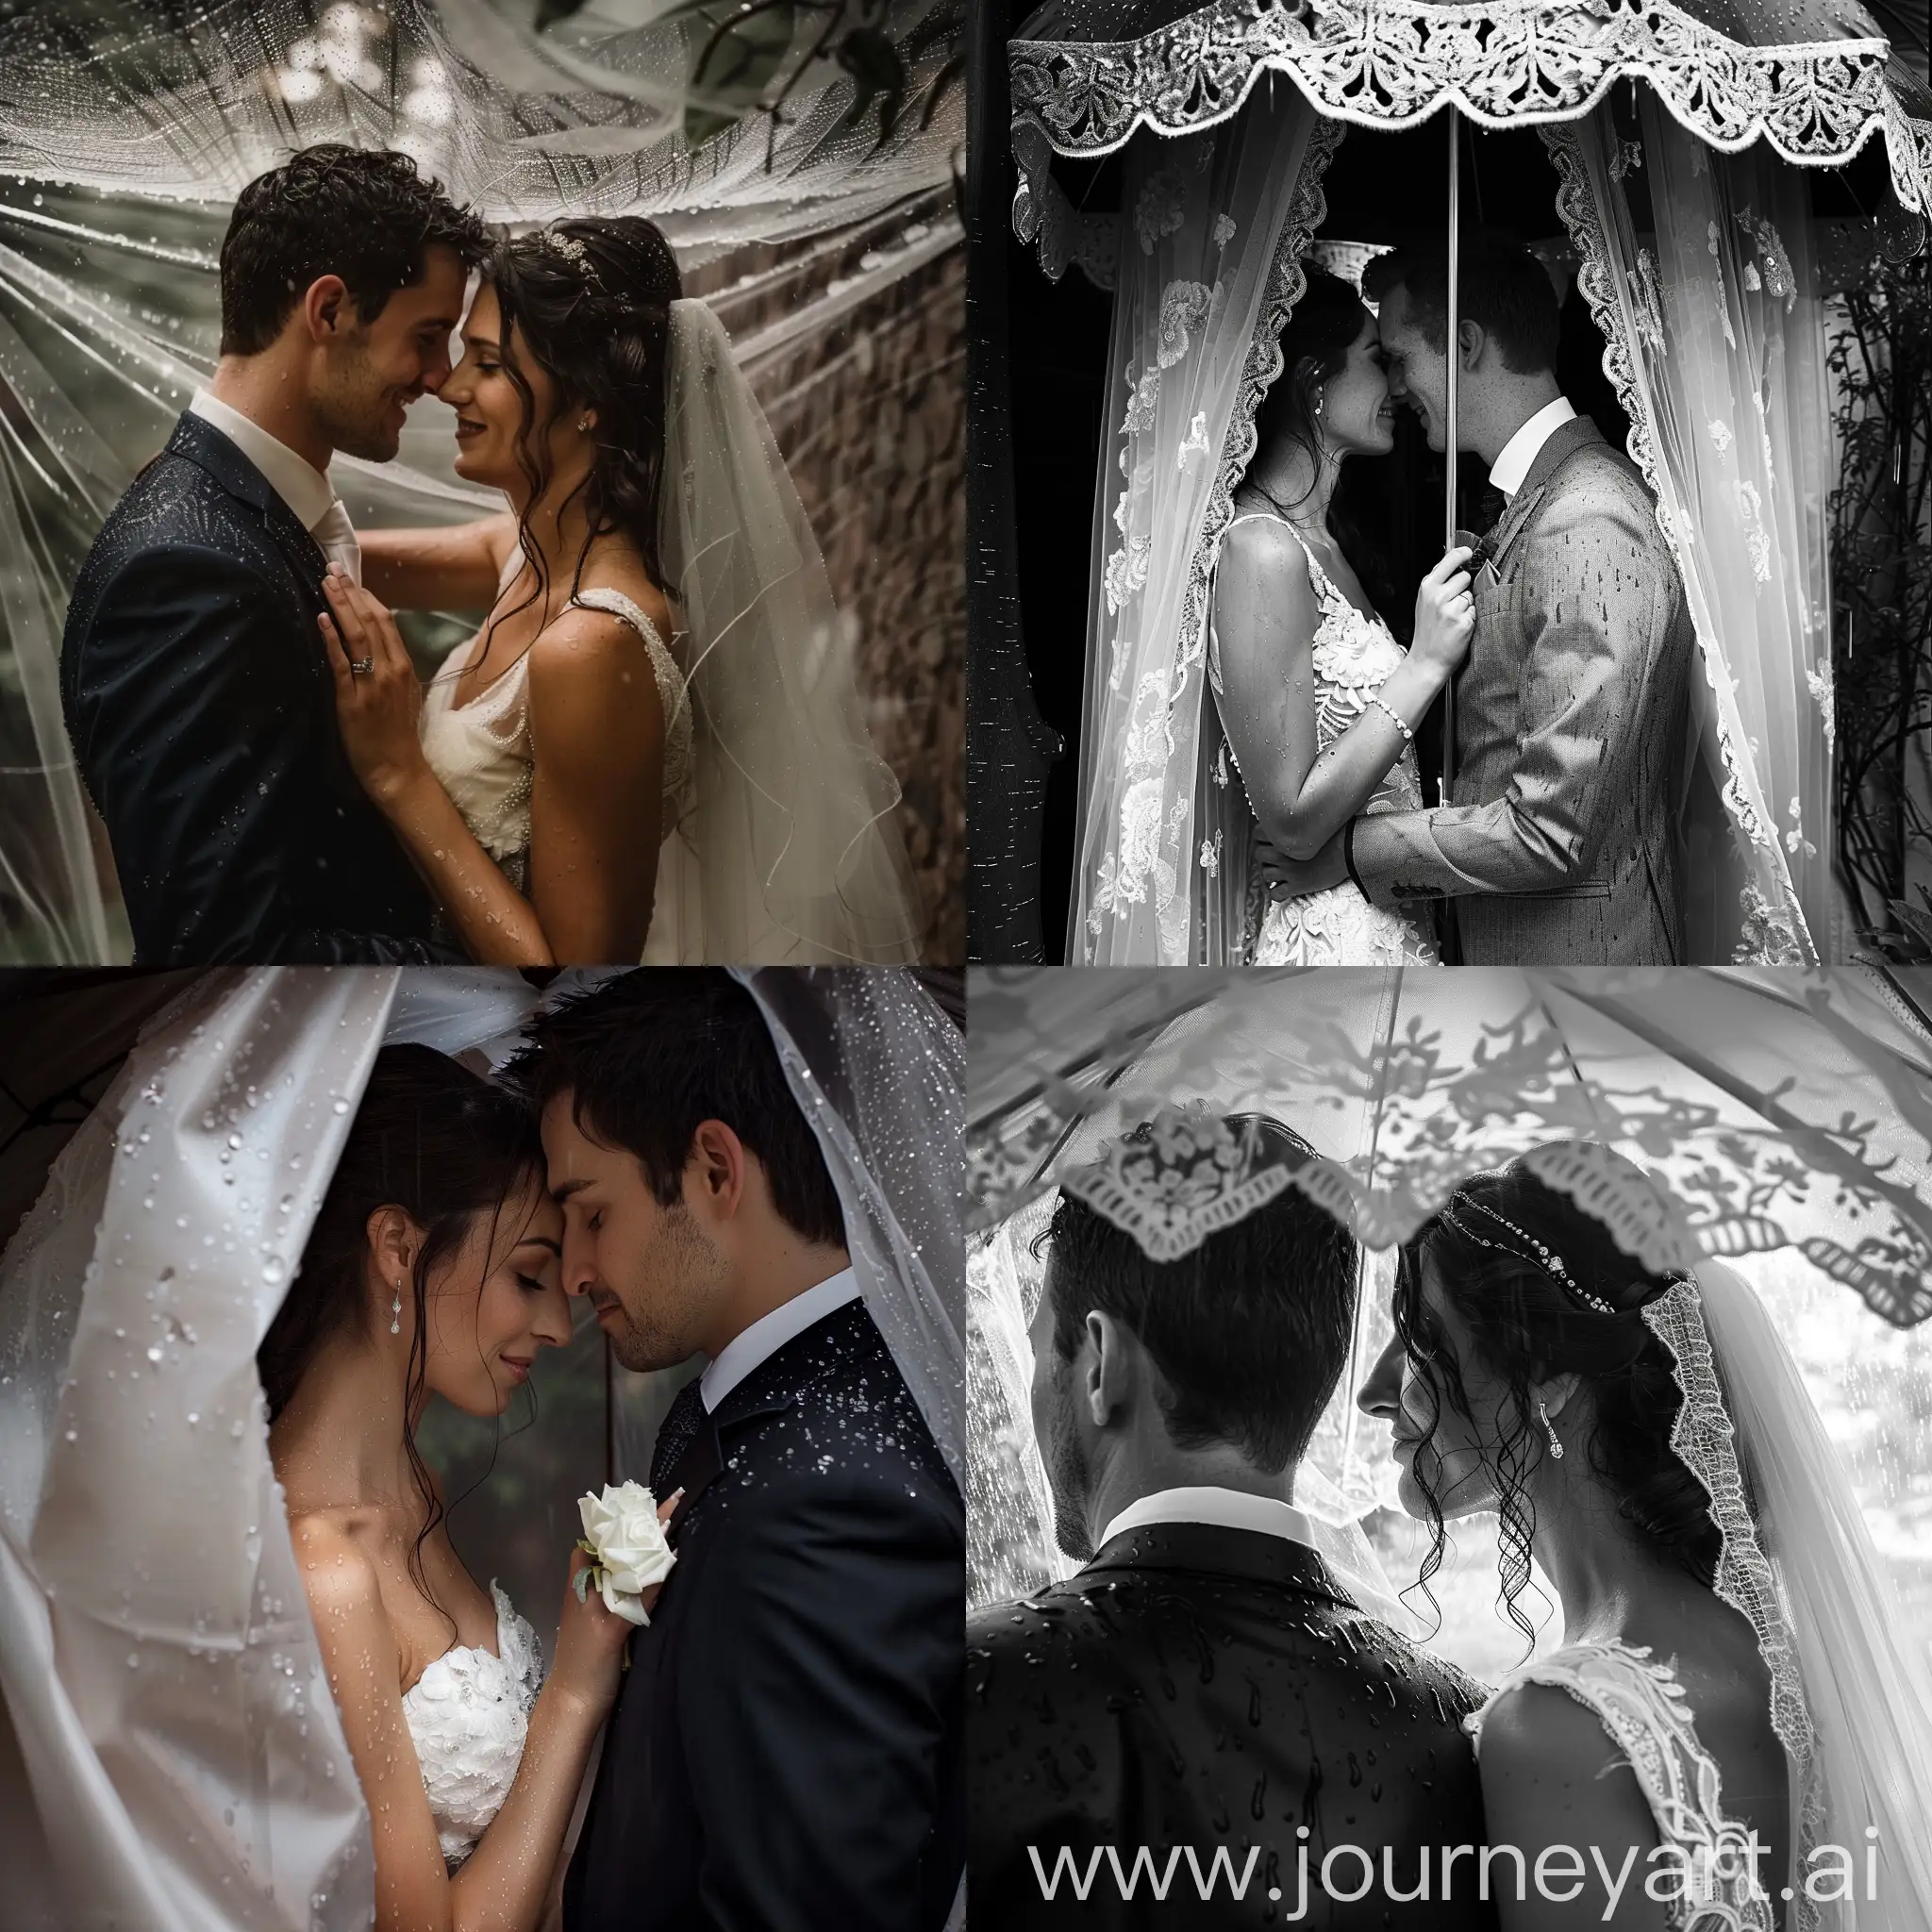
x=1715 y=344
x=1206 y=268
x=170 y=1753
x=1852 y=1696
x=789 y=853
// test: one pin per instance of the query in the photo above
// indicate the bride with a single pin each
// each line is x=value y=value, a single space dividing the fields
x=652 y=749
x=1317 y=700
x=1646 y=1437
x=433 y=1267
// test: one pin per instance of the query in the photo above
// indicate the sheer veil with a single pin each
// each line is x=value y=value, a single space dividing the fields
x=1851 y=1696
x=788 y=853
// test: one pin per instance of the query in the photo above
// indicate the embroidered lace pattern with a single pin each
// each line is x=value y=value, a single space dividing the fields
x=1704 y=1441
x=1772 y=935
x=1392 y=63
x=469 y=1714
x=1353 y=654
x=1645 y=1709
x=481 y=751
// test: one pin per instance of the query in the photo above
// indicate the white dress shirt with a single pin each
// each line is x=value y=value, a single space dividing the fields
x=1226 y=1508
x=1513 y=466
x=770 y=1333
x=304 y=487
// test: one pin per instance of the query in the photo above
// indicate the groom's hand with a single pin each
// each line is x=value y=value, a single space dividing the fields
x=1298 y=877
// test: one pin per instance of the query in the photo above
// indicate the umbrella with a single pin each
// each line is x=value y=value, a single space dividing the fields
x=1810 y=85
x=1770 y=1110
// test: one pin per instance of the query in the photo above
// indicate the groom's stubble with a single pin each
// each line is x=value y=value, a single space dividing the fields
x=680 y=1275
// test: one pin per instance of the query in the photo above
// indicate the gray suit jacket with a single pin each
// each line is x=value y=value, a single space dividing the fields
x=1569 y=722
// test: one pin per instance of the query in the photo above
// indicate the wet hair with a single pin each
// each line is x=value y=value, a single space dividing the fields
x=1525 y=1327
x=1502 y=286
x=594 y=315
x=1315 y=342
x=446 y=1146
x=1250 y=1331
x=363 y=213
x=650 y=1056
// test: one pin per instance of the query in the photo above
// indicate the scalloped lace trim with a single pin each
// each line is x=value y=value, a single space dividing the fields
x=1773 y=936
x=1704 y=1441
x=1383 y=65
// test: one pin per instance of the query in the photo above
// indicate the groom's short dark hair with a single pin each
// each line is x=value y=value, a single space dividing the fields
x=1501 y=286
x=1250 y=1331
x=648 y=1055
x=365 y=214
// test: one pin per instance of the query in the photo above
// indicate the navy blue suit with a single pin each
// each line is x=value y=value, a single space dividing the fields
x=198 y=696
x=787 y=1751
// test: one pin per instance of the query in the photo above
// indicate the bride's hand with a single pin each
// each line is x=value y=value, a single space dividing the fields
x=590 y=1637
x=377 y=707
x=1444 y=613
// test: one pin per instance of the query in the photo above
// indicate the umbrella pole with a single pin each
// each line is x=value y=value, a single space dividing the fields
x=1449 y=428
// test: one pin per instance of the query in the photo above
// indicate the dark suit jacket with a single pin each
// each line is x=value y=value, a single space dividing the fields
x=1570 y=719
x=1194 y=1689
x=787 y=1750
x=199 y=697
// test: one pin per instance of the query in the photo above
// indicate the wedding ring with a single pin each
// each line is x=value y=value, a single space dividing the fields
x=361 y=667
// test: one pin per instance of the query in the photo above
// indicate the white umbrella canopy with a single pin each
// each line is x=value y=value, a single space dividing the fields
x=1768 y=1110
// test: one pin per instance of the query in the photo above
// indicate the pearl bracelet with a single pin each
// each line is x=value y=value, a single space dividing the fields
x=1407 y=736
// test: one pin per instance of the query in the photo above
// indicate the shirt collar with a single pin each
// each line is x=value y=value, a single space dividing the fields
x=1225 y=1508
x=1520 y=452
x=293 y=478
x=770 y=1333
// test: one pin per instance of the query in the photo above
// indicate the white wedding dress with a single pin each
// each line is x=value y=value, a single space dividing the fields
x=1644 y=1708
x=469 y=1714
x=1354 y=655
x=482 y=757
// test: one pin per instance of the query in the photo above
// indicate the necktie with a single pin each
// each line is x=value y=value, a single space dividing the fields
x=675 y=1435
x=336 y=534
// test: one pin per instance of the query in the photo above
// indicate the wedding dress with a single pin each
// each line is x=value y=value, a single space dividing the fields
x=481 y=751
x=469 y=1714
x=1644 y=1708
x=1354 y=655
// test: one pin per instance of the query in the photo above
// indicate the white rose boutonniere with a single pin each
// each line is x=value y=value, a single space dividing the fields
x=627 y=1547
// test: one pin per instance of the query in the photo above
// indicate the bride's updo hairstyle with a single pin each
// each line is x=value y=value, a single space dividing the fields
x=446 y=1146
x=591 y=301
x=1526 y=1321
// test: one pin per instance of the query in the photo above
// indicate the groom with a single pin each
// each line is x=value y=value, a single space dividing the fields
x=787 y=1750
x=1204 y=1689
x=1572 y=711
x=193 y=675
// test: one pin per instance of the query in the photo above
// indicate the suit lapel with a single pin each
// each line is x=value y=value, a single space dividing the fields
x=1558 y=445
x=201 y=444
x=703 y=1461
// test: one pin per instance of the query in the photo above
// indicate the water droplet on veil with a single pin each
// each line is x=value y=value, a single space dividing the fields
x=341 y=1106
x=154 y=1354
x=272 y=1273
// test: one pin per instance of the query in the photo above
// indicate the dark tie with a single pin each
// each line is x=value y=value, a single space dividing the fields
x=679 y=1427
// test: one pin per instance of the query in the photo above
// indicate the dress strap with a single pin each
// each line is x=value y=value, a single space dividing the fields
x=1325 y=592
x=617 y=604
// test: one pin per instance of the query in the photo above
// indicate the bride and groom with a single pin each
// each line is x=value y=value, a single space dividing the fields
x=652 y=750
x=1204 y=1713
x=783 y=1744
x=1556 y=844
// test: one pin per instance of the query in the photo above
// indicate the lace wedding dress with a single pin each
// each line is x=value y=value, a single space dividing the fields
x=1643 y=1708
x=469 y=1714
x=481 y=751
x=1354 y=655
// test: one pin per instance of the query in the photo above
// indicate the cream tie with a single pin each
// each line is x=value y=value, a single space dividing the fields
x=336 y=534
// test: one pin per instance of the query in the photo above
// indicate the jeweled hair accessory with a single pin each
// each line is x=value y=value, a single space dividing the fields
x=1531 y=1250
x=574 y=252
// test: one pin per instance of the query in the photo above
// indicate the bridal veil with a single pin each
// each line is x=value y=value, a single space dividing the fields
x=790 y=853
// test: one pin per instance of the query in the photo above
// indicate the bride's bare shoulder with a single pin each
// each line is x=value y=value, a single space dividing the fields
x=338 y=1568
x=1544 y=1757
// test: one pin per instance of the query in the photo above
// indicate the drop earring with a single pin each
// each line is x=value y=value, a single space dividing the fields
x=396 y=1318
x=1321 y=397
x=1543 y=1408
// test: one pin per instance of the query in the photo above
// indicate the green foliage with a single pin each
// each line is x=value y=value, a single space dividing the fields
x=1881 y=564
